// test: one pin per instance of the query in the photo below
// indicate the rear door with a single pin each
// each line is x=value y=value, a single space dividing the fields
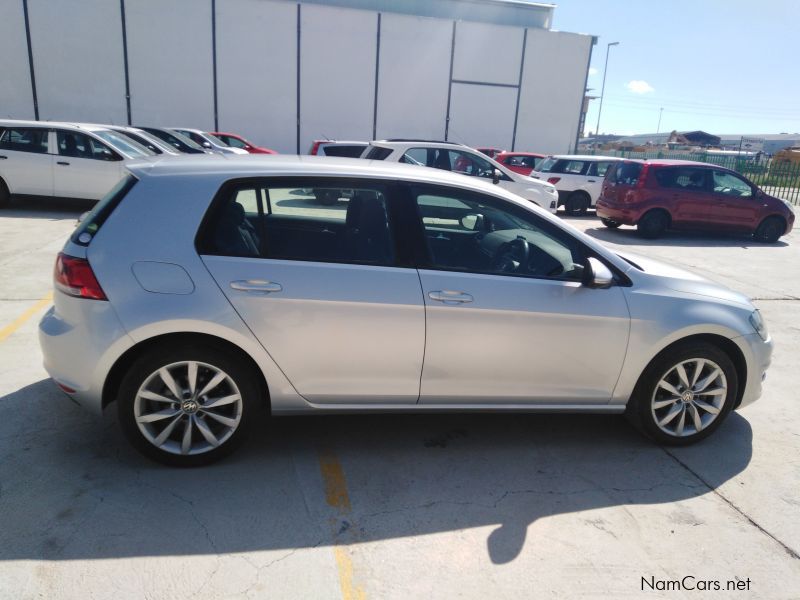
x=686 y=191
x=25 y=164
x=322 y=286
x=734 y=205
x=85 y=167
x=595 y=176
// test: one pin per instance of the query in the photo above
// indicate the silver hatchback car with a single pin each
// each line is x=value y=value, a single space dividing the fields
x=200 y=292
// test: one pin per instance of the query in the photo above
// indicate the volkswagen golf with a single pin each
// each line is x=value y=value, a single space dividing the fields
x=199 y=292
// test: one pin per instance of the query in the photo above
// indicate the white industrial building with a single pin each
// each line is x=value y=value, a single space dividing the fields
x=283 y=73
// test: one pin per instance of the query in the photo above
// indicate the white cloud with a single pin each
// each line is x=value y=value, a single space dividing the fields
x=637 y=86
x=592 y=71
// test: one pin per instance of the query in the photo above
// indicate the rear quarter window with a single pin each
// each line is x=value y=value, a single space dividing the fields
x=346 y=151
x=93 y=221
x=378 y=153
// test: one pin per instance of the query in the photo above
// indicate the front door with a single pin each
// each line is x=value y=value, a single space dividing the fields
x=734 y=205
x=508 y=321
x=311 y=267
x=85 y=167
x=687 y=191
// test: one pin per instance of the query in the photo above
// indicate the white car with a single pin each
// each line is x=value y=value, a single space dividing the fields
x=209 y=141
x=578 y=179
x=462 y=159
x=63 y=160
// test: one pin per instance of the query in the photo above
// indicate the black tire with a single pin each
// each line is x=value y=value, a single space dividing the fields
x=610 y=224
x=769 y=230
x=640 y=411
x=5 y=196
x=653 y=224
x=577 y=203
x=144 y=368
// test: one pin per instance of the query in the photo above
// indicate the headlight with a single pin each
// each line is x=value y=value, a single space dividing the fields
x=758 y=324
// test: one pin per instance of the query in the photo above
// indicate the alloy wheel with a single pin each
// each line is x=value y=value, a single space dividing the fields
x=188 y=408
x=689 y=397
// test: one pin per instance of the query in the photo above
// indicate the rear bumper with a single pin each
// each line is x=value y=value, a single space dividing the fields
x=80 y=340
x=617 y=213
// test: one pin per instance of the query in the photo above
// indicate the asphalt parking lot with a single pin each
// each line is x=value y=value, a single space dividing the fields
x=434 y=506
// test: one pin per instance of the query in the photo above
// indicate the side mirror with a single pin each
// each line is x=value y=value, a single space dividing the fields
x=496 y=175
x=207 y=145
x=472 y=221
x=596 y=275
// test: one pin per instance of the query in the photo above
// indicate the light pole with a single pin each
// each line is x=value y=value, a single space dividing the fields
x=660 y=112
x=603 y=89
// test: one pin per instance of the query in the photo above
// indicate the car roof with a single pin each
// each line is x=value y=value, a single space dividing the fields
x=515 y=153
x=277 y=165
x=585 y=157
x=342 y=142
x=672 y=162
x=399 y=143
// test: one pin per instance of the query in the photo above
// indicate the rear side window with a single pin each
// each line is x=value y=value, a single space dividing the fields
x=625 y=173
x=598 y=168
x=346 y=151
x=94 y=220
x=24 y=139
x=312 y=221
x=378 y=153
x=683 y=178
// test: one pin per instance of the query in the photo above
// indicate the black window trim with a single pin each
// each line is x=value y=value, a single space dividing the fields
x=403 y=253
x=12 y=127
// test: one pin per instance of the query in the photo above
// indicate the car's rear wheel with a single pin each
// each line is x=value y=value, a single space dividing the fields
x=769 y=230
x=684 y=394
x=5 y=195
x=610 y=224
x=653 y=224
x=187 y=405
x=577 y=203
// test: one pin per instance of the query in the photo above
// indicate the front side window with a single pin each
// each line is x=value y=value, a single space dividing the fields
x=80 y=145
x=24 y=139
x=232 y=141
x=457 y=161
x=731 y=185
x=572 y=167
x=303 y=222
x=481 y=234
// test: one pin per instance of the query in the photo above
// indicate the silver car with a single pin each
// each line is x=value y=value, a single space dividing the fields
x=202 y=291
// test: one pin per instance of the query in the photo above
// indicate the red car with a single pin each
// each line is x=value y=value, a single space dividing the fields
x=520 y=162
x=656 y=195
x=490 y=152
x=238 y=141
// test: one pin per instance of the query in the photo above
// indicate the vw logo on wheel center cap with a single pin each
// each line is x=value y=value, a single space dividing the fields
x=190 y=406
x=687 y=396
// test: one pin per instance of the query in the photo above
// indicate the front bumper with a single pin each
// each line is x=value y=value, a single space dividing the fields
x=80 y=341
x=758 y=355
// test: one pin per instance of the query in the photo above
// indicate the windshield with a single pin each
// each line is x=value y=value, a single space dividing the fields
x=128 y=146
x=181 y=142
x=546 y=165
x=215 y=139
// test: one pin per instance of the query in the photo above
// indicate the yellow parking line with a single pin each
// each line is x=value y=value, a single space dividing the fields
x=20 y=320
x=336 y=496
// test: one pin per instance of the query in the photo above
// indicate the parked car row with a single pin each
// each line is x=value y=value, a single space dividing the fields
x=85 y=160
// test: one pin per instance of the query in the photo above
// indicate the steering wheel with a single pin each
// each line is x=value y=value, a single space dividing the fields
x=512 y=256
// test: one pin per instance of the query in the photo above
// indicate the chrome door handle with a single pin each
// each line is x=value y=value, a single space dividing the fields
x=3 y=157
x=592 y=181
x=256 y=285
x=450 y=297
x=63 y=162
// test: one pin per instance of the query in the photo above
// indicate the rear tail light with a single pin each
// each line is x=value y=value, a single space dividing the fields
x=315 y=148
x=553 y=180
x=74 y=277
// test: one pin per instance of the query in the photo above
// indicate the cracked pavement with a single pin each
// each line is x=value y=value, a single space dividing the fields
x=439 y=506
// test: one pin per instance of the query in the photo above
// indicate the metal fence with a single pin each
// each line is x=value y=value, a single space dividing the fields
x=781 y=179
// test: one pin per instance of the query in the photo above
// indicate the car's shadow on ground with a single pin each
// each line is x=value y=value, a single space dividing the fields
x=46 y=208
x=629 y=237
x=72 y=488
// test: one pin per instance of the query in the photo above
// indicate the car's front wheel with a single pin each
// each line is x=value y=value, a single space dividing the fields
x=684 y=394
x=769 y=230
x=187 y=405
x=610 y=224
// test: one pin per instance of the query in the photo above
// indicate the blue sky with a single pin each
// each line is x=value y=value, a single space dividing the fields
x=723 y=66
